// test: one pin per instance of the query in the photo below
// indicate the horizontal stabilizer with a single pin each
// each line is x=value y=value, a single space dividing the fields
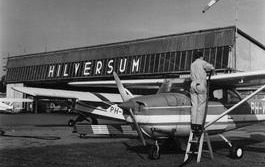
x=17 y=100
x=112 y=112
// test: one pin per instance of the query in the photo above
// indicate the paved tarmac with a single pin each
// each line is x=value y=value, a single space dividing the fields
x=46 y=140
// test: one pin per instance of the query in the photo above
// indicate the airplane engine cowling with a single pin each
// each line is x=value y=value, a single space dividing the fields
x=164 y=100
x=160 y=113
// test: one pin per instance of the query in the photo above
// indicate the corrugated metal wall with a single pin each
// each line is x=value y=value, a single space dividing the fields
x=165 y=54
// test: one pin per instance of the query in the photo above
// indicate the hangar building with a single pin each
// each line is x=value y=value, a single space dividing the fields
x=228 y=49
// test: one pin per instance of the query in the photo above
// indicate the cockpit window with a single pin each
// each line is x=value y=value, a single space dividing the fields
x=224 y=95
x=232 y=97
x=216 y=95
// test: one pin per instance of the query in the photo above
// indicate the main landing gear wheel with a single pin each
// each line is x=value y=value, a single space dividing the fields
x=236 y=152
x=71 y=122
x=154 y=152
x=82 y=135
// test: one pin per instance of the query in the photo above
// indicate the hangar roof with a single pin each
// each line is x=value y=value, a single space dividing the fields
x=174 y=42
x=154 y=57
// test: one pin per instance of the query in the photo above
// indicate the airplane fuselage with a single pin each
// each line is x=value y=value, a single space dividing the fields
x=168 y=114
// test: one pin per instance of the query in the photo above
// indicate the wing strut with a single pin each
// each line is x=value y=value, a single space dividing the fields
x=235 y=106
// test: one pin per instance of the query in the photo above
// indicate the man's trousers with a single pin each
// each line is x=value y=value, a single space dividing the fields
x=198 y=102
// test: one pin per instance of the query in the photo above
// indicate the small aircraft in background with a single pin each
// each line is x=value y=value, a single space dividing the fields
x=11 y=105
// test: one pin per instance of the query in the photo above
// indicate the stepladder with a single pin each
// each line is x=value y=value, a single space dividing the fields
x=195 y=146
x=195 y=142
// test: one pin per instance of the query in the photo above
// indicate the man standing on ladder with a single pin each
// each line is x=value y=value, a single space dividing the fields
x=198 y=92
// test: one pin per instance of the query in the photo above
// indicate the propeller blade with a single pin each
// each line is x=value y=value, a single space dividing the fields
x=125 y=95
x=137 y=128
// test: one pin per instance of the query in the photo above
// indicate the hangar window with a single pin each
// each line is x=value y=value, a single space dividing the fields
x=147 y=63
x=157 y=59
x=143 y=62
x=172 y=61
x=188 y=60
x=162 y=62
x=207 y=54
x=225 y=56
x=212 y=59
x=182 y=61
x=152 y=62
x=177 y=61
x=167 y=63
x=219 y=57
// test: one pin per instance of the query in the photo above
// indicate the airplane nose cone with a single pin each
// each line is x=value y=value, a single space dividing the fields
x=127 y=105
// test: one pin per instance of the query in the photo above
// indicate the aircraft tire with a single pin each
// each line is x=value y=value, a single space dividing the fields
x=82 y=135
x=154 y=153
x=236 y=152
x=71 y=122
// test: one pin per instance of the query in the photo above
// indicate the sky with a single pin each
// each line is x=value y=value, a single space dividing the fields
x=32 y=26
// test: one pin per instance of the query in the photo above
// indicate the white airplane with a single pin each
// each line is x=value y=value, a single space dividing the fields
x=166 y=115
x=10 y=105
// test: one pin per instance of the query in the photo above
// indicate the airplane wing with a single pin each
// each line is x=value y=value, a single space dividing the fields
x=85 y=96
x=237 y=79
x=136 y=83
x=240 y=79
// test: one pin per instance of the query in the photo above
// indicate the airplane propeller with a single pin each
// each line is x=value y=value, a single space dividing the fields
x=126 y=95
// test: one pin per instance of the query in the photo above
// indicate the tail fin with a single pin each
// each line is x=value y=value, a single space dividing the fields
x=125 y=94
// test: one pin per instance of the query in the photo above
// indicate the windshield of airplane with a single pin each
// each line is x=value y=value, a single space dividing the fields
x=173 y=88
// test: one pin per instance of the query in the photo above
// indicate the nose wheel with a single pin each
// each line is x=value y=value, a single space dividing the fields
x=236 y=152
x=154 y=151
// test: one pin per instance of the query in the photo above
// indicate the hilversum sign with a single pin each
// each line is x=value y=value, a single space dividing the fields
x=94 y=68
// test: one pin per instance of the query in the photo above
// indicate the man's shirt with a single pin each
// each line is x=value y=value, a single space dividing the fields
x=198 y=70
